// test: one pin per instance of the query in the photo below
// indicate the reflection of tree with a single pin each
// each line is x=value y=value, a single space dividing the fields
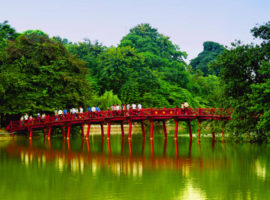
x=229 y=171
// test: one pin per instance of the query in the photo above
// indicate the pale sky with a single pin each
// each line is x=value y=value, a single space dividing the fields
x=188 y=23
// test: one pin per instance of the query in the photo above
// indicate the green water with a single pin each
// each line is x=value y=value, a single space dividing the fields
x=117 y=169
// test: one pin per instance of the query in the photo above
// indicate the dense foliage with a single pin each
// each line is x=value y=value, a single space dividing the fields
x=244 y=73
x=210 y=52
x=39 y=75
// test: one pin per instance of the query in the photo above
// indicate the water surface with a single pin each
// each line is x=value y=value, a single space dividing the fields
x=137 y=169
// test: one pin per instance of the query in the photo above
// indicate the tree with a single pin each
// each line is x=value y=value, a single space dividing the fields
x=244 y=73
x=210 y=52
x=39 y=75
x=6 y=33
x=107 y=100
x=89 y=52
x=116 y=66
x=144 y=38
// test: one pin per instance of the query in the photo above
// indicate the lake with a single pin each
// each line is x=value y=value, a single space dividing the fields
x=137 y=169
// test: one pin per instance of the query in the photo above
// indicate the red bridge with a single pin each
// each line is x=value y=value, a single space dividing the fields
x=121 y=117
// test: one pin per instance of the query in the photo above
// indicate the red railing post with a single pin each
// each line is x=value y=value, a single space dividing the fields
x=129 y=129
x=151 y=129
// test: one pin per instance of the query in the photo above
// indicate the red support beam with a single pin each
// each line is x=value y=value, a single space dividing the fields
x=122 y=129
x=44 y=132
x=165 y=147
x=30 y=134
x=175 y=129
x=49 y=133
x=88 y=131
x=82 y=130
x=68 y=132
x=189 y=130
x=102 y=129
x=199 y=129
x=109 y=146
x=88 y=146
x=152 y=148
x=151 y=129
x=164 y=129
x=109 y=130
x=214 y=135
x=129 y=129
x=143 y=131
x=176 y=148
x=130 y=147
x=122 y=146
x=63 y=131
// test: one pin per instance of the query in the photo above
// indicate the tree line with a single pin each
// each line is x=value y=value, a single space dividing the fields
x=42 y=73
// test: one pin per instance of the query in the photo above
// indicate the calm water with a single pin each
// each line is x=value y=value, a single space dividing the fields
x=119 y=169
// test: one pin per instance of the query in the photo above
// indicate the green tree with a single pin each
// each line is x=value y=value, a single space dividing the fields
x=144 y=38
x=210 y=52
x=39 y=75
x=6 y=33
x=108 y=99
x=89 y=52
x=116 y=66
x=244 y=73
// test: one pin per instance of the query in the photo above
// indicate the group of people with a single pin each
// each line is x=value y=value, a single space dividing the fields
x=133 y=106
x=74 y=111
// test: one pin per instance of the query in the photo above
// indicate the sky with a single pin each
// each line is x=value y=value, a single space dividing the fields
x=188 y=23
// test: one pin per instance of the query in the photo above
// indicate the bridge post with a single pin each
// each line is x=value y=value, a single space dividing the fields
x=63 y=131
x=129 y=129
x=190 y=130
x=68 y=132
x=176 y=148
x=214 y=135
x=130 y=147
x=122 y=129
x=44 y=132
x=199 y=129
x=109 y=130
x=30 y=133
x=102 y=129
x=164 y=129
x=151 y=129
x=82 y=130
x=223 y=130
x=88 y=131
x=152 y=148
x=109 y=146
x=175 y=129
x=165 y=147
x=143 y=131
x=49 y=133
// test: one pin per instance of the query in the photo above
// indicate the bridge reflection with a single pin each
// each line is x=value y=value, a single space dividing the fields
x=129 y=164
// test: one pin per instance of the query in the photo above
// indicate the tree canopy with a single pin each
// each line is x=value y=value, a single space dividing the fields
x=210 y=52
x=39 y=75
x=244 y=73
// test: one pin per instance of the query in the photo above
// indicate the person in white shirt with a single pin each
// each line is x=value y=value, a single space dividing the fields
x=60 y=112
x=186 y=105
x=93 y=109
x=128 y=107
x=81 y=110
x=117 y=107
x=26 y=116
x=133 y=106
x=139 y=106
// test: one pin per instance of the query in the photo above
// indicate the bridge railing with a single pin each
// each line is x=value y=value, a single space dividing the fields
x=102 y=115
